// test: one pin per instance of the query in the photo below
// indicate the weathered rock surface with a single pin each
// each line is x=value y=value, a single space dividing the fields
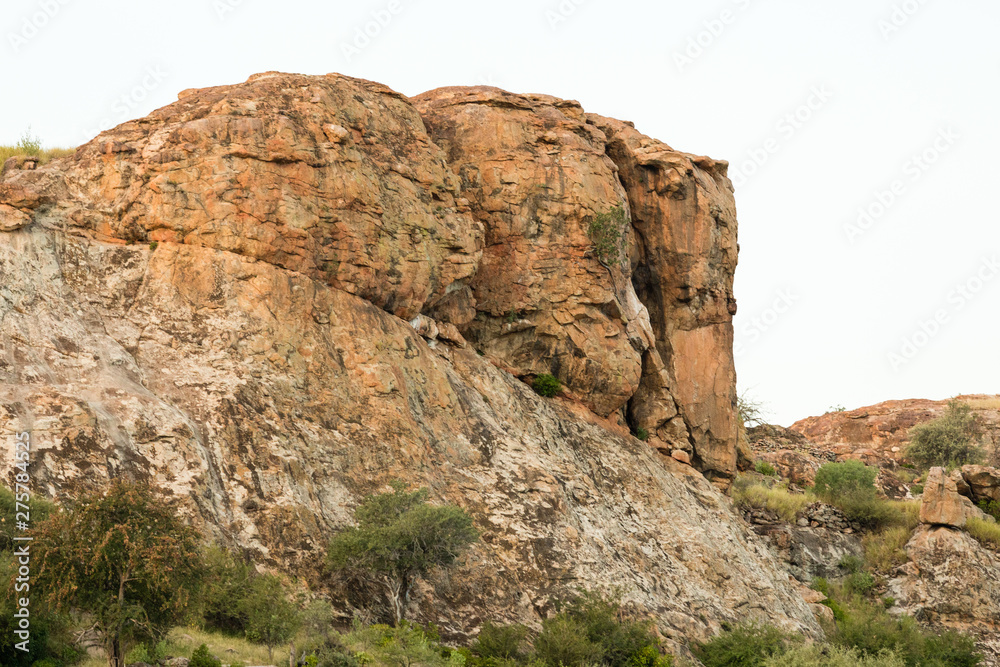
x=984 y=483
x=683 y=261
x=952 y=581
x=259 y=361
x=878 y=434
x=946 y=500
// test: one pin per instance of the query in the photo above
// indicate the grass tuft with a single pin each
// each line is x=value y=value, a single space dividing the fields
x=986 y=532
x=778 y=499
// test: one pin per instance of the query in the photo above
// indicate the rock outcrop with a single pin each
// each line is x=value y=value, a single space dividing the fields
x=259 y=298
x=947 y=500
x=878 y=434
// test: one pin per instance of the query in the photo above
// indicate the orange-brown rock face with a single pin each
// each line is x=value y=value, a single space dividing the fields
x=878 y=434
x=649 y=329
x=684 y=218
x=330 y=176
x=296 y=338
x=536 y=175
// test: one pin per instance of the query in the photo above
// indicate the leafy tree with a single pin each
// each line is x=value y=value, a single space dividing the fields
x=398 y=538
x=607 y=232
x=951 y=439
x=271 y=618
x=225 y=586
x=124 y=557
x=505 y=642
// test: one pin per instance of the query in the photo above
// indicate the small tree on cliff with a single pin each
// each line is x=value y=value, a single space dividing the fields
x=124 y=557
x=399 y=537
x=951 y=439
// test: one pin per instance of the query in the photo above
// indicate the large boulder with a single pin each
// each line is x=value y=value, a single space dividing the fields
x=259 y=365
x=945 y=501
x=983 y=481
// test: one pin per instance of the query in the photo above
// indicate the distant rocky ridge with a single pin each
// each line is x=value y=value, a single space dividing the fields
x=272 y=298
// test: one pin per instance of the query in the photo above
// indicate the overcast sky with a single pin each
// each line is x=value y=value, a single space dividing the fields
x=862 y=135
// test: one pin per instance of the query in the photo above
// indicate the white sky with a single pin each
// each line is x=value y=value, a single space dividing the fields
x=72 y=67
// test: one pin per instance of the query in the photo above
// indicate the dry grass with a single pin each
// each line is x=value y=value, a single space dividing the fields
x=910 y=512
x=985 y=403
x=884 y=551
x=44 y=155
x=181 y=642
x=778 y=499
x=986 y=532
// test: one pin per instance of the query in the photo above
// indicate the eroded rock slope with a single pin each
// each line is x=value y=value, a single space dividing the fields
x=260 y=298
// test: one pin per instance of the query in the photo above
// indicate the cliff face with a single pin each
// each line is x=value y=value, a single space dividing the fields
x=260 y=298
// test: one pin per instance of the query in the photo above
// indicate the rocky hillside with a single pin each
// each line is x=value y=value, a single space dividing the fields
x=275 y=297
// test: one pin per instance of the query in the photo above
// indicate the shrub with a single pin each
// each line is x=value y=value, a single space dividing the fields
x=607 y=233
x=778 y=499
x=765 y=468
x=622 y=640
x=991 y=507
x=819 y=655
x=859 y=583
x=751 y=412
x=986 y=532
x=951 y=439
x=951 y=648
x=501 y=641
x=546 y=385
x=564 y=642
x=743 y=646
x=642 y=434
x=405 y=644
x=846 y=477
x=29 y=144
x=399 y=537
x=867 y=628
x=917 y=489
x=271 y=618
x=202 y=658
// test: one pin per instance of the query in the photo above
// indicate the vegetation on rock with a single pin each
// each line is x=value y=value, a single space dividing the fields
x=398 y=538
x=546 y=385
x=607 y=233
x=950 y=440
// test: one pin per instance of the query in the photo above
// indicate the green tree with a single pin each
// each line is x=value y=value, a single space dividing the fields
x=398 y=538
x=226 y=585
x=951 y=439
x=124 y=557
x=271 y=618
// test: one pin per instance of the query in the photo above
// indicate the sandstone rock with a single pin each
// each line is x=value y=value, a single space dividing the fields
x=11 y=219
x=681 y=456
x=984 y=482
x=425 y=326
x=796 y=467
x=536 y=174
x=259 y=365
x=942 y=504
x=951 y=581
x=683 y=262
x=449 y=333
x=251 y=169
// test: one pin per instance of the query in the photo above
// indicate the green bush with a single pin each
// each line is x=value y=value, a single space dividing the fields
x=765 y=468
x=642 y=434
x=202 y=658
x=745 y=645
x=952 y=649
x=869 y=629
x=622 y=639
x=563 y=642
x=950 y=440
x=501 y=641
x=820 y=655
x=546 y=385
x=917 y=489
x=845 y=477
x=990 y=507
x=607 y=233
